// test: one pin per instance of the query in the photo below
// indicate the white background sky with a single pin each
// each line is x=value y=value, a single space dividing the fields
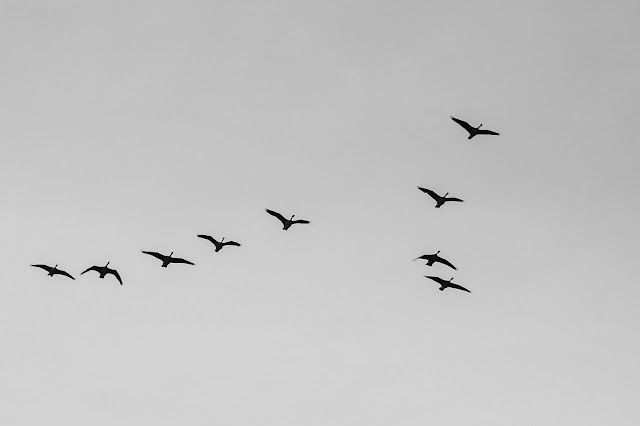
x=129 y=125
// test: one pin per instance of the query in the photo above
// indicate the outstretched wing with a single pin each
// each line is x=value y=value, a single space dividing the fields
x=486 y=132
x=154 y=254
x=231 y=243
x=209 y=238
x=453 y=199
x=178 y=260
x=430 y=192
x=464 y=124
x=93 y=268
x=45 y=267
x=278 y=215
x=65 y=274
x=445 y=262
x=424 y=256
x=300 y=221
x=436 y=279
x=459 y=287
x=116 y=274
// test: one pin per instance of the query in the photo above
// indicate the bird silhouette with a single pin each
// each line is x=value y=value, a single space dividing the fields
x=440 y=200
x=446 y=284
x=104 y=270
x=166 y=260
x=434 y=258
x=53 y=271
x=286 y=223
x=219 y=244
x=473 y=131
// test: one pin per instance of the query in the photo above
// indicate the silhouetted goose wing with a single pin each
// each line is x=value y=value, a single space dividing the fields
x=445 y=262
x=179 y=260
x=231 y=243
x=115 y=274
x=453 y=199
x=299 y=221
x=278 y=215
x=154 y=254
x=45 y=267
x=437 y=279
x=66 y=274
x=430 y=192
x=424 y=257
x=459 y=287
x=464 y=124
x=209 y=238
x=486 y=132
x=93 y=268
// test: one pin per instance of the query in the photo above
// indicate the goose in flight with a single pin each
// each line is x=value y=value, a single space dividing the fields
x=434 y=258
x=439 y=200
x=444 y=284
x=53 y=271
x=473 y=131
x=166 y=260
x=219 y=244
x=104 y=270
x=286 y=223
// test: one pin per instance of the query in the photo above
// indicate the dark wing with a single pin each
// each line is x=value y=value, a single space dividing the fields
x=459 y=287
x=464 y=124
x=445 y=262
x=207 y=237
x=115 y=274
x=424 y=256
x=453 y=199
x=231 y=243
x=45 y=267
x=61 y=272
x=486 y=132
x=178 y=260
x=430 y=192
x=93 y=268
x=278 y=215
x=299 y=221
x=154 y=254
x=437 y=279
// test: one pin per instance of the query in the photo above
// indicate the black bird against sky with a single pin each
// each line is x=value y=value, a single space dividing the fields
x=166 y=260
x=440 y=200
x=219 y=244
x=104 y=270
x=434 y=258
x=53 y=271
x=473 y=131
x=286 y=223
x=446 y=284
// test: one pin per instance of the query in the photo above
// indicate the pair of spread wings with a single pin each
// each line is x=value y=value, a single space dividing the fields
x=283 y=219
x=436 y=196
x=218 y=243
x=436 y=258
x=53 y=270
x=447 y=283
x=167 y=258
x=101 y=269
x=473 y=130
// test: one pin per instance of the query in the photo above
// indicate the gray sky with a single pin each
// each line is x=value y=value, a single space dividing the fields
x=130 y=125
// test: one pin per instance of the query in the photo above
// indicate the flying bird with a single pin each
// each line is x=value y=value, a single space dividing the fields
x=219 y=244
x=53 y=271
x=473 y=131
x=434 y=258
x=166 y=260
x=444 y=284
x=439 y=200
x=104 y=270
x=286 y=223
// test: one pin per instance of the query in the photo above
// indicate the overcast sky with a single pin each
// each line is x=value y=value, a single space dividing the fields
x=135 y=125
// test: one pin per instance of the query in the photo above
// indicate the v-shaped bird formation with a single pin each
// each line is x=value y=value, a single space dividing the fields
x=167 y=260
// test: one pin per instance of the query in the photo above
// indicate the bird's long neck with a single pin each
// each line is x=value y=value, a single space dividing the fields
x=55 y=267
x=171 y=254
x=222 y=240
x=437 y=252
x=107 y=264
x=450 y=279
x=292 y=216
x=479 y=127
x=445 y=195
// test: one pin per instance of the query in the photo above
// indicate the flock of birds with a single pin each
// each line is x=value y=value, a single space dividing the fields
x=440 y=200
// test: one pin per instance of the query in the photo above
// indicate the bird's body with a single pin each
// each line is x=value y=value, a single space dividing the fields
x=167 y=260
x=434 y=258
x=446 y=284
x=473 y=131
x=104 y=270
x=440 y=200
x=286 y=223
x=53 y=270
x=219 y=244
